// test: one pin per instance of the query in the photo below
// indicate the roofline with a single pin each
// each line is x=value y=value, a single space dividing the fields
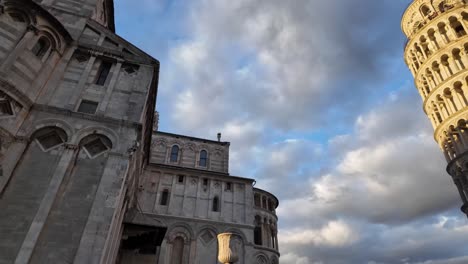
x=193 y=138
x=403 y=16
x=93 y=23
x=269 y=193
x=213 y=173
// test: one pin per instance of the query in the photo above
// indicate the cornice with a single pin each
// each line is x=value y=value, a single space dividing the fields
x=96 y=118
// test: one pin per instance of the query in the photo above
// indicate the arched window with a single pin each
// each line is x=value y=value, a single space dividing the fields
x=425 y=10
x=258 y=231
x=41 y=47
x=442 y=6
x=165 y=197
x=270 y=205
x=177 y=251
x=216 y=204
x=257 y=200
x=175 y=153
x=457 y=27
x=50 y=137
x=203 y=158
x=96 y=144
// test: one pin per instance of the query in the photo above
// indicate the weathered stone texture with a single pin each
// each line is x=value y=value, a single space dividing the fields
x=82 y=173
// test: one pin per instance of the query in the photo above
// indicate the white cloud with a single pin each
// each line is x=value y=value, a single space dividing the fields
x=300 y=88
x=334 y=234
x=290 y=258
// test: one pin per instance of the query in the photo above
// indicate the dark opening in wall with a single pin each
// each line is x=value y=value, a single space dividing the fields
x=203 y=158
x=5 y=108
x=41 y=47
x=216 y=204
x=174 y=153
x=103 y=73
x=96 y=147
x=165 y=197
x=180 y=178
x=258 y=235
x=88 y=107
x=141 y=239
x=50 y=140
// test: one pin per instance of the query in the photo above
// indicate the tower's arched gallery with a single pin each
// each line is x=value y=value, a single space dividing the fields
x=84 y=175
x=437 y=55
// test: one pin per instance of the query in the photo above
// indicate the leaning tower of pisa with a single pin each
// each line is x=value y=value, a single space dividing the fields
x=437 y=55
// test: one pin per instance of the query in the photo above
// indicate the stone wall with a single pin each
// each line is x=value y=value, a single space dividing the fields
x=189 y=150
x=69 y=171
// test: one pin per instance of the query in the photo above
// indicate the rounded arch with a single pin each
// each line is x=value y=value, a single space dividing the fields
x=19 y=15
x=109 y=133
x=174 y=153
x=425 y=10
x=180 y=229
x=29 y=17
x=447 y=92
x=34 y=11
x=52 y=37
x=52 y=122
x=96 y=144
x=236 y=231
x=49 y=137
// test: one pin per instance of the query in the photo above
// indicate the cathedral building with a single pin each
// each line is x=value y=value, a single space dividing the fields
x=437 y=55
x=85 y=175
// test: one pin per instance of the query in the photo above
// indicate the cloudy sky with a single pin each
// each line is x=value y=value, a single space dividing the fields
x=320 y=108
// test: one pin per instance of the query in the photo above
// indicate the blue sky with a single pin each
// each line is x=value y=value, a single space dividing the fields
x=320 y=108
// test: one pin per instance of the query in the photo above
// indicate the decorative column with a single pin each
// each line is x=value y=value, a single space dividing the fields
x=228 y=249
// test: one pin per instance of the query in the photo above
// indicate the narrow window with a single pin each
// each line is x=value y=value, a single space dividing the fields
x=264 y=203
x=174 y=153
x=165 y=197
x=425 y=10
x=257 y=200
x=258 y=230
x=228 y=186
x=205 y=182
x=216 y=204
x=177 y=251
x=88 y=107
x=460 y=30
x=203 y=158
x=442 y=6
x=103 y=73
x=41 y=47
x=180 y=178
x=273 y=243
